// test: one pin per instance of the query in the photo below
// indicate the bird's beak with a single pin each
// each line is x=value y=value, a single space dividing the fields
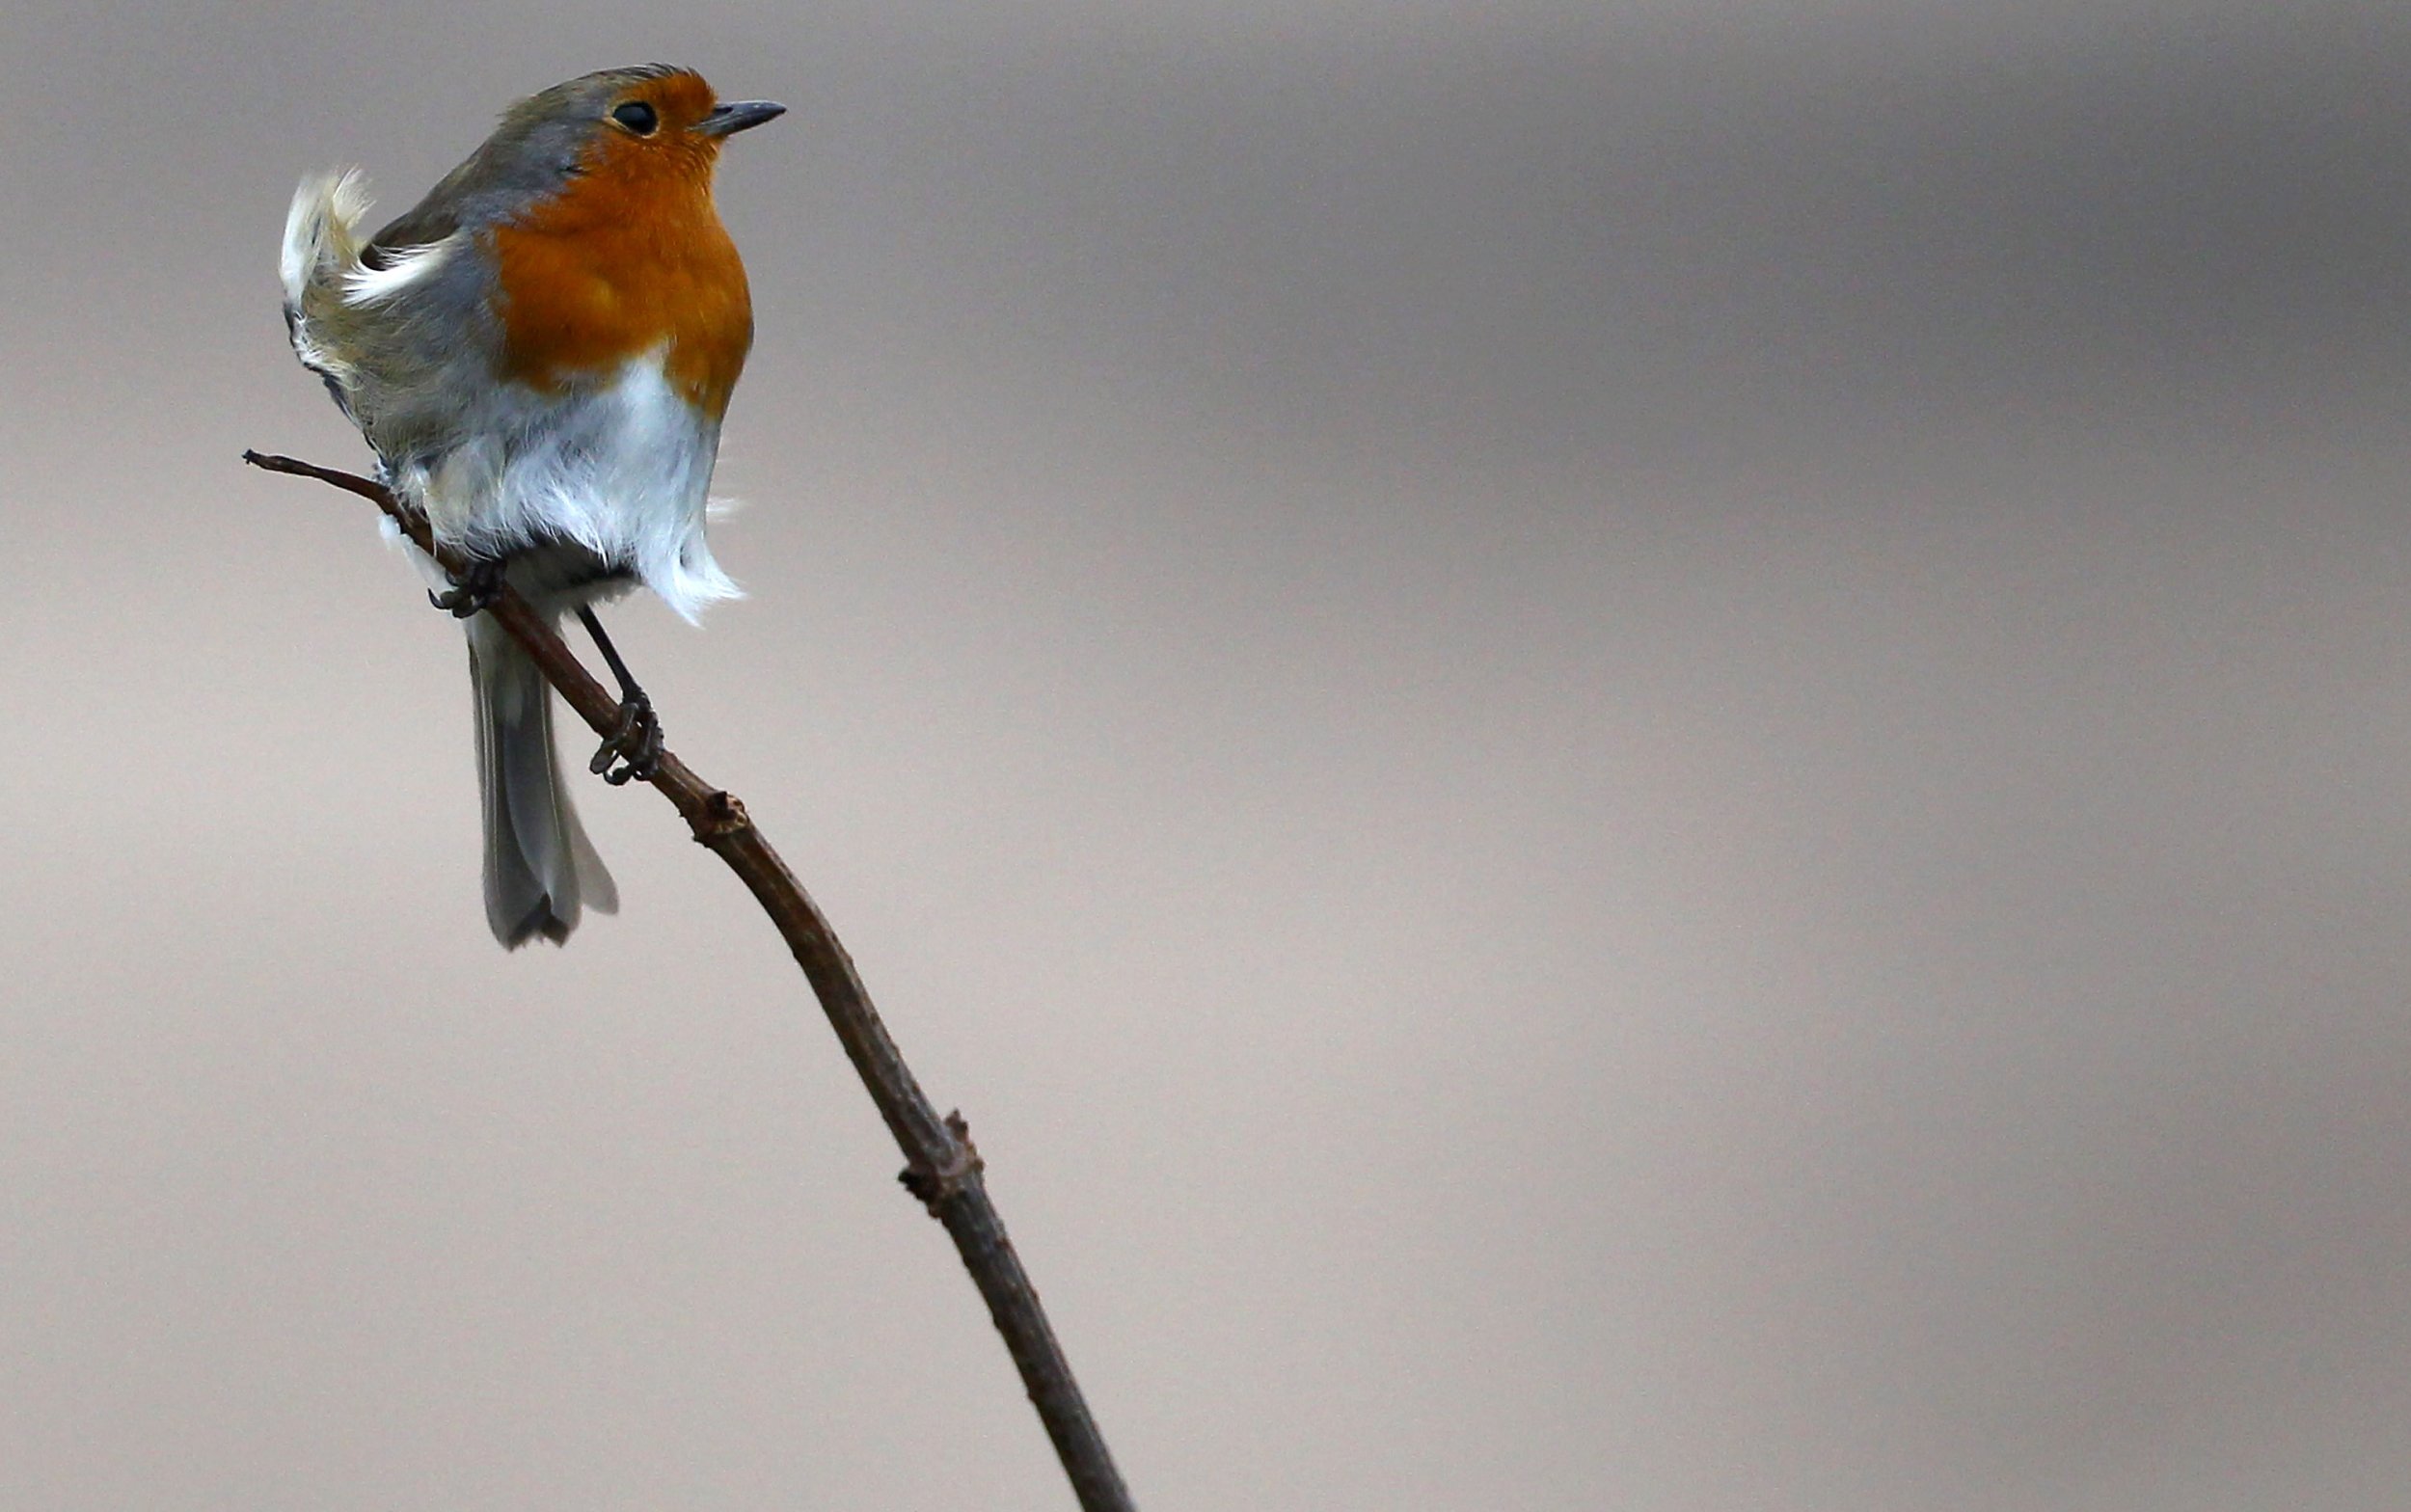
x=738 y=114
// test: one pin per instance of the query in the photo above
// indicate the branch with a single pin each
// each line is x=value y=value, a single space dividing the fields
x=941 y=1167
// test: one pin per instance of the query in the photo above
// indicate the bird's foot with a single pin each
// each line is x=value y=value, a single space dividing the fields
x=633 y=750
x=472 y=592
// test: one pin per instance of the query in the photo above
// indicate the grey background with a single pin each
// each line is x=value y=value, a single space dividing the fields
x=1629 y=755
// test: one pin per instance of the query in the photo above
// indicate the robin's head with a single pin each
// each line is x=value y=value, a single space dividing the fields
x=660 y=117
x=641 y=121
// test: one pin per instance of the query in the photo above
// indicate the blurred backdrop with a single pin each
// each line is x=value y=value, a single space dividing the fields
x=1629 y=755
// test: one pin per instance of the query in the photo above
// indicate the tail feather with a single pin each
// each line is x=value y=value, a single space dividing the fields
x=540 y=869
x=320 y=260
x=322 y=233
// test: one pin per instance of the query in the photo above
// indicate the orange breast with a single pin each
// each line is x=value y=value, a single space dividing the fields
x=631 y=258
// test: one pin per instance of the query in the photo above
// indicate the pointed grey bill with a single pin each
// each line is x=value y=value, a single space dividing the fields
x=740 y=114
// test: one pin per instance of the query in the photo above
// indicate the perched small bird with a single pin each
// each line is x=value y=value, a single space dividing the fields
x=541 y=352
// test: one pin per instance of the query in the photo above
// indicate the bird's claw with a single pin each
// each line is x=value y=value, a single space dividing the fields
x=633 y=750
x=472 y=592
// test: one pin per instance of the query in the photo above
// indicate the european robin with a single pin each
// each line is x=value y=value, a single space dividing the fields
x=541 y=352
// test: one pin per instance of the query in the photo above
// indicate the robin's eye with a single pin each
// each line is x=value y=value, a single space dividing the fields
x=637 y=117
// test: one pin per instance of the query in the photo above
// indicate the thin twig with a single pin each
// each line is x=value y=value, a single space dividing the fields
x=941 y=1167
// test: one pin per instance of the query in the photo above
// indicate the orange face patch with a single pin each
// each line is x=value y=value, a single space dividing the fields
x=631 y=258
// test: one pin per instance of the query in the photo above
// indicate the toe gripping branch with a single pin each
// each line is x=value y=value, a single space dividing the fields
x=633 y=750
x=472 y=592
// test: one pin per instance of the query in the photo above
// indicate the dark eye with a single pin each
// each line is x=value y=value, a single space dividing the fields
x=637 y=117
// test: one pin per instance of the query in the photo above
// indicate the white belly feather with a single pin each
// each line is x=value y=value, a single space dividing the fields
x=623 y=469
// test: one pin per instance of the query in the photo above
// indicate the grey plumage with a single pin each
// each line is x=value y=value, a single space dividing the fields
x=540 y=869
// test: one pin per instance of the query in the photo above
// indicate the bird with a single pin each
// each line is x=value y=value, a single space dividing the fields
x=541 y=353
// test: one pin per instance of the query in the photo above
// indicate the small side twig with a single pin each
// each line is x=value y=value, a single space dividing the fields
x=941 y=1167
